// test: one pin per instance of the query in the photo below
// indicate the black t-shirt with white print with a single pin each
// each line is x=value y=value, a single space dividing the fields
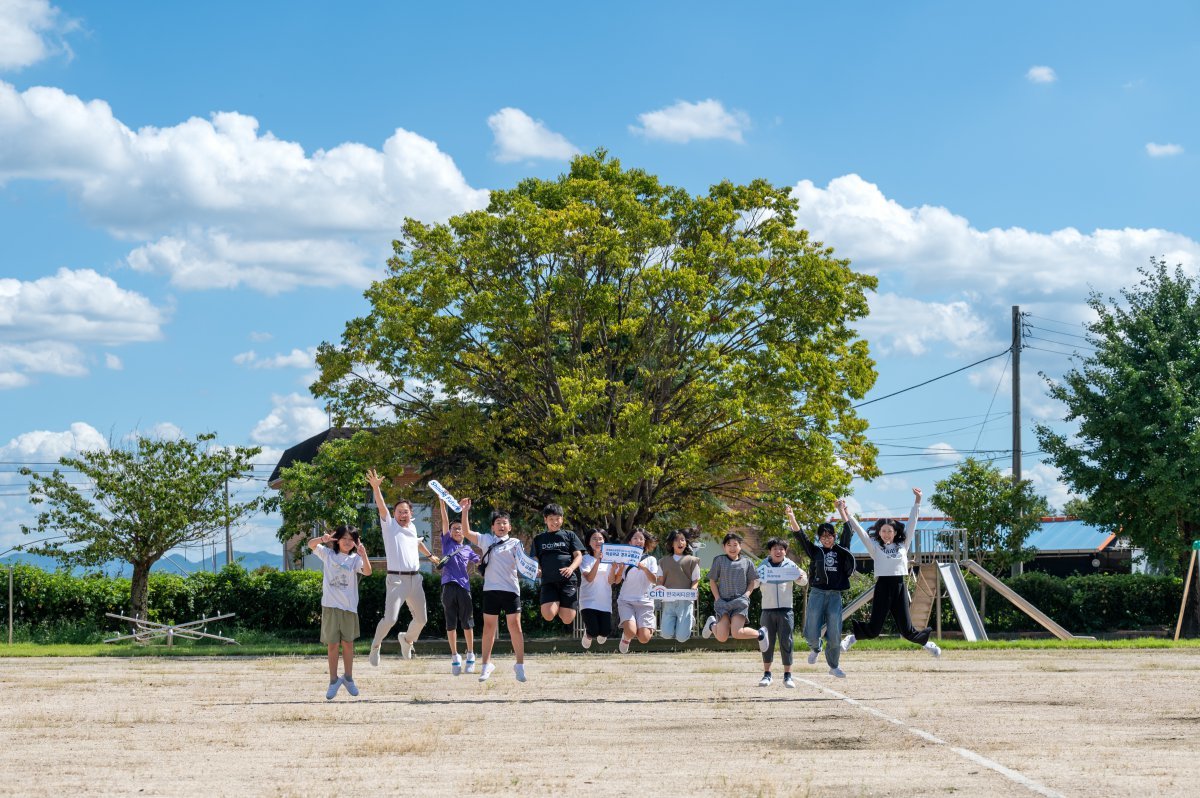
x=555 y=550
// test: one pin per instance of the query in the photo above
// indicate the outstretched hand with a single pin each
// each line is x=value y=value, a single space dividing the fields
x=373 y=478
x=465 y=504
x=791 y=516
x=917 y=494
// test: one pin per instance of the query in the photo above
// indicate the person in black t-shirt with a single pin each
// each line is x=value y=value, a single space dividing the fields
x=559 y=553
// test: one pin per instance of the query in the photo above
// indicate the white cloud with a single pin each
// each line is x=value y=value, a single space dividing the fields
x=163 y=430
x=900 y=325
x=1046 y=480
x=42 y=447
x=113 y=362
x=936 y=251
x=684 y=121
x=520 y=137
x=44 y=322
x=1163 y=150
x=942 y=454
x=1041 y=74
x=296 y=359
x=293 y=418
x=216 y=195
x=29 y=32
x=260 y=337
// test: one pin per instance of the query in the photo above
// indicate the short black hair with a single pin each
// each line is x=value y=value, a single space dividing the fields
x=826 y=529
x=498 y=514
x=552 y=509
x=400 y=502
x=732 y=536
x=773 y=542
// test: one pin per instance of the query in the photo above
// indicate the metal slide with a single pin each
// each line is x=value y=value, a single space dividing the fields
x=860 y=600
x=964 y=606
x=1016 y=599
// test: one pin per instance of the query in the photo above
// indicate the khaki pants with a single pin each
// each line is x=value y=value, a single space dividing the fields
x=401 y=589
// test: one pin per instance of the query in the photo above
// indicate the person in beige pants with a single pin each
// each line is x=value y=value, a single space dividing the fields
x=403 y=547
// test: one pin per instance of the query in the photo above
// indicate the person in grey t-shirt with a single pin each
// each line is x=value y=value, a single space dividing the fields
x=732 y=578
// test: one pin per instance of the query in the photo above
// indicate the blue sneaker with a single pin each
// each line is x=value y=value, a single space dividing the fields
x=348 y=683
x=334 y=686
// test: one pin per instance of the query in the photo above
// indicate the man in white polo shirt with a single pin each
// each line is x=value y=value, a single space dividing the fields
x=403 y=547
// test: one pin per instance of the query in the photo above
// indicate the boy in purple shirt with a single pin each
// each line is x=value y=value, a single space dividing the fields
x=456 y=591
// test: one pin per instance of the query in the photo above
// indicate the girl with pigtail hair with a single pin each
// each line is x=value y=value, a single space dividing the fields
x=888 y=545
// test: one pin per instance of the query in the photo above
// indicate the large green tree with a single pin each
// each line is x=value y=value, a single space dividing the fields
x=1136 y=400
x=137 y=502
x=997 y=512
x=620 y=346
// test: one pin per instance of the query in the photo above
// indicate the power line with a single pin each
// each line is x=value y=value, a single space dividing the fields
x=947 y=432
x=1061 y=343
x=1058 y=332
x=953 y=465
x=1075 y=325
x=1003 y=371
x=935 y=379
x=932 y=421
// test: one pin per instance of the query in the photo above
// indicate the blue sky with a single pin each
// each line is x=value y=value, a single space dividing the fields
x=193 y=197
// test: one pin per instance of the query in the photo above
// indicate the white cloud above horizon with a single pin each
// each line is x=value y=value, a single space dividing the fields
x=293 y=418
x=1041 y=74
x=1163 y=150
x=520 y=137
x=296 y=359
x=31 y=31
x=902 y=325
x=685 y=121
x=46 y=323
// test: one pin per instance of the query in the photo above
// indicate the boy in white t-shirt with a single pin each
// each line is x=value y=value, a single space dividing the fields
x=343 y=562
x=501 y=587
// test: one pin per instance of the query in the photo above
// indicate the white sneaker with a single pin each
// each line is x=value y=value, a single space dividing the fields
x=334 y=686
x=586 y=642
x=519 y=669
x=406 y=648
x=601 y=639
x=623 y=646
x=765 y=681
x=374 y=657
x=470 y=664
x=456 y=665
x=764 y=642
x=351 y=687
x=706 y=632
x=487 y=672
x=812 y=657
x=934 y=649
x=848 y=641
x=787 y=681
x=838 y=672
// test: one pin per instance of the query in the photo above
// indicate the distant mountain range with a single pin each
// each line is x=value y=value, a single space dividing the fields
x=172 y=563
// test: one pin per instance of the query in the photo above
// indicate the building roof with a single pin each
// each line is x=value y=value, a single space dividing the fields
x=1059 y=534
x=305 y=451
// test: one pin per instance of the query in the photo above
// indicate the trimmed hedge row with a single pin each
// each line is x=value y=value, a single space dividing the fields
x=288 y=602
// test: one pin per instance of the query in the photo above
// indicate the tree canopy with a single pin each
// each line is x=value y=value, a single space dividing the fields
x=997 y=512
x=617 y=345
x=138 y=502
x=1136 y=400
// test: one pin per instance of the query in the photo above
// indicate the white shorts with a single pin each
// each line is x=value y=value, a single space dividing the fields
x=641 y=612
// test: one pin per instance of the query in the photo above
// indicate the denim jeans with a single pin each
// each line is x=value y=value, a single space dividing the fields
x=824 y=609
x=677 y=617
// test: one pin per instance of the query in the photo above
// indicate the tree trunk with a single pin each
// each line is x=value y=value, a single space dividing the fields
x=139 y=590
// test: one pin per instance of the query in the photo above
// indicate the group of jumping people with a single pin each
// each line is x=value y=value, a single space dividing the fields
x=575 y=577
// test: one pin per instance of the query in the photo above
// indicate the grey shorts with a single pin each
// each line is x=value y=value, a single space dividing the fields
x=739 y=605
x=640 y=612
x=338 y=625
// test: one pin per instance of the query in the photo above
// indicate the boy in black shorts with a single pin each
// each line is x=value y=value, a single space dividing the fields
x=559 y=553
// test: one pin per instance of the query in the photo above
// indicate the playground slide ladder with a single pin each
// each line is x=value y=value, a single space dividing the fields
x=1016 y=599
x=923 y=596
x=960 y=597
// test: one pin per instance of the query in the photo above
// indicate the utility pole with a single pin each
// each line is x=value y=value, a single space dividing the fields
x=228 y=537
x=1017 y=568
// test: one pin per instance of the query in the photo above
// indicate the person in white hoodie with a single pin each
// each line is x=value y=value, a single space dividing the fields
x=888 y=546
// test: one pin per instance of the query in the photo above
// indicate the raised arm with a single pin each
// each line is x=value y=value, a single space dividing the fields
x=590 y=574
x=913 y=515
x=445 y=516
x=808 y=546
x=365 y=570
x=466 y=521
x=326 y=538
x=374 y=480
x=849 y=518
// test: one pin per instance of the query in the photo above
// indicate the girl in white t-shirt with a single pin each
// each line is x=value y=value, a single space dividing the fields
x=343 y=562
x=634 y=605
x=595 y=591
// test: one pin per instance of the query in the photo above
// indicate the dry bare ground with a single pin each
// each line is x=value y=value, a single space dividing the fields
x=973 y=723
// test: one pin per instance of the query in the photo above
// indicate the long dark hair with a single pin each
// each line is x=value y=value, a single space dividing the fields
x=342 y=531
x=591 y=532
x=897 y=527
x=688 y=534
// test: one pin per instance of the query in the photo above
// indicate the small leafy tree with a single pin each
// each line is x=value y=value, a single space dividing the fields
x=1136 y=454
x=140 y=501
x=997 y=512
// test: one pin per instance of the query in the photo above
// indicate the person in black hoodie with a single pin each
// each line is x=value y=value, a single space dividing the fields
x=828 y=576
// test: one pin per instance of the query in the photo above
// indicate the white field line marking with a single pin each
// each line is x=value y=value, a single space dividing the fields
x=965 y=753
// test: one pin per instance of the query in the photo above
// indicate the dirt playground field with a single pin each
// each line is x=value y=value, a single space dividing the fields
x=972 y=723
